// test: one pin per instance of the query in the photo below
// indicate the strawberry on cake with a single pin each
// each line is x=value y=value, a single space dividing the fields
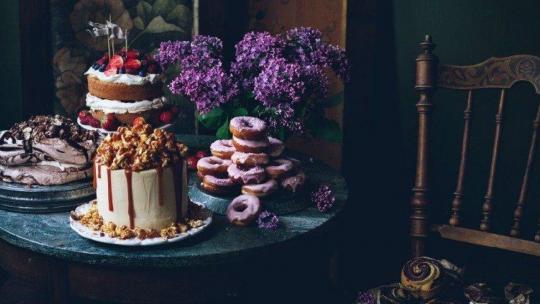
x=123 y=88
x=141 y=184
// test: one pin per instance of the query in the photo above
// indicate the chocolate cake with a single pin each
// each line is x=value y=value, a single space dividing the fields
x=46 y=150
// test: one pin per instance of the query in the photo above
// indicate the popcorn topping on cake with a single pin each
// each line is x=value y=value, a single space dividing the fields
x=140 y=148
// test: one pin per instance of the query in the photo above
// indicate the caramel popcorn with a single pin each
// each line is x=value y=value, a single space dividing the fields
x=93 y=220
x=140 y=148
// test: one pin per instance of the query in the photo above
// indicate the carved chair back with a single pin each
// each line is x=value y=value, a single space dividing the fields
x=494 y=73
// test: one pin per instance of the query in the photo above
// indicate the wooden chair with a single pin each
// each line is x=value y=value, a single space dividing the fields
x=494 y=73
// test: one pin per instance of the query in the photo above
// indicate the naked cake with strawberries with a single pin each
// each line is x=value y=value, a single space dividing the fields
x=124 y=89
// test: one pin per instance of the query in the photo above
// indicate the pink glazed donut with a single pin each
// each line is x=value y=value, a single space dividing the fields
x=276 y=147
x=253 y=175
x=261 y=190
x=279 y=168
x=222 y=148
x=212 y=165
x=243 y=210
x=247 y=127
x=250 y=159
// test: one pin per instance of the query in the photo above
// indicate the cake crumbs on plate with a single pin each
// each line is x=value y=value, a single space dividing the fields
x=94 y=221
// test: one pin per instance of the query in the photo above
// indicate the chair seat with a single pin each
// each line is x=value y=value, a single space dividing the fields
x=487 y=239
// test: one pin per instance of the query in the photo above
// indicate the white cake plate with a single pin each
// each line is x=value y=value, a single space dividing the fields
x=100 y=237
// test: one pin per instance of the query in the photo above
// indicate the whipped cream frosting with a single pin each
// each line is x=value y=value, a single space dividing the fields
x=119 y=107
x=127 y=79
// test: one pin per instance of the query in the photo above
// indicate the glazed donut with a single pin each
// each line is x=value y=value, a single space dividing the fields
x=247 y=127
x=250 y=146
x=250 y=159
x=253 y=175
x=212 y=165
x=276 y=147
x=222 y=148
x=243 y=210
x=279 y=168
x=218 y=185
x=200 y=176
x=261 y=190
x=294 y=182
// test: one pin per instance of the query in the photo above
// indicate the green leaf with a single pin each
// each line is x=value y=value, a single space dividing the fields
x=333 y=101
x=213 y=119
x=162 y=7
x=239 y=112
x=138 y=22
x=159 y=25
x=144 y=9
x=180 y=15
x=223 y=131
x=328 y=130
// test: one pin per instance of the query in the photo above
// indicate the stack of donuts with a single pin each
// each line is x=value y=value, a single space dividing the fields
x=251 y=161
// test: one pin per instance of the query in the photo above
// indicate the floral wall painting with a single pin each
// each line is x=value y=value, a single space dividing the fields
x=148 y=22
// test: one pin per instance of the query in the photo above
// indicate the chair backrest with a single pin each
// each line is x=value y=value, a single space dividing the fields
x=494 y=73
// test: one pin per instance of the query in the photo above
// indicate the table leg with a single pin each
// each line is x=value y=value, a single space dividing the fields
x=59 y=288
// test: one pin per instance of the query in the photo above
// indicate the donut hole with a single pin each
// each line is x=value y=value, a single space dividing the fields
x=246 y=124
x=240 y=207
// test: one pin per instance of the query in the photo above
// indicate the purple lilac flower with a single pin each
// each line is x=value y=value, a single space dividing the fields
x=302 y=44
x=171 y=52
x=252 y=53
x=279 y=82
x=268 y=220
x=365 y=298
x=305 y=46
x=207 y=88
x=206 y=46
x=323 y=197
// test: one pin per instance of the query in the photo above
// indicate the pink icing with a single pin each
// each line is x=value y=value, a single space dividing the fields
x=293 y=182
x=212 y=162
x=276 y=147
x=269 y=186
x=252 y=175
x=220 y=182
x=241 y=123
x=281 y=164
x=243 y=209
x=222 y=145
x=240 y=158
x=251 y=143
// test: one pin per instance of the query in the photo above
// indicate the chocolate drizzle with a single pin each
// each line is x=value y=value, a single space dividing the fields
x=177 y=171
x=109 y=189
x=131 y=209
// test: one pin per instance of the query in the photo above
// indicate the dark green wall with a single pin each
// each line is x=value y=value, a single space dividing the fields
x=10 y=91
x=467 y=32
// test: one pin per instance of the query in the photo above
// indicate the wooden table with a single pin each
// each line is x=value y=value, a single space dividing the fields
x=225 y=263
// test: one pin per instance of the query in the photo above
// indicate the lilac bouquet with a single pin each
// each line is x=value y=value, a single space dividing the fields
x=279 y=78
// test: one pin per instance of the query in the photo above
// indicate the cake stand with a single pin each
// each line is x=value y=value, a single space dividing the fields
x=41 y=199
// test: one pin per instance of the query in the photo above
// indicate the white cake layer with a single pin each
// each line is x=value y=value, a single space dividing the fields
x=127 y=79
x=148 y=214
x=120 y=107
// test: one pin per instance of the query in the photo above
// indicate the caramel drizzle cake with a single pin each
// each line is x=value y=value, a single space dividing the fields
x=46 y=150
x=125 y=87
x=141 y=178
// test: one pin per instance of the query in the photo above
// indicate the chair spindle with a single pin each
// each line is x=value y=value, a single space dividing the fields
x=518 y=212
x=455 y=219
x=487 y=206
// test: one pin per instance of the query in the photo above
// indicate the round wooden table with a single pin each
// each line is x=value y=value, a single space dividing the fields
x=223 y=263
